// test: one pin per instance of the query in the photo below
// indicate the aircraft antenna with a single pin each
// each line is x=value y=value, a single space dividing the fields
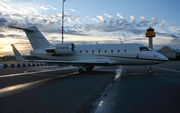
x=63 y=19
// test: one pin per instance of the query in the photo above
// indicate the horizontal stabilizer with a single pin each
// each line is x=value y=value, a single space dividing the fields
x=28 y=29
x=17 y=54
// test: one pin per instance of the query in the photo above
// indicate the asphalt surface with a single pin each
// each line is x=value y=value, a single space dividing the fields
x=134 y=91
x=112 y=89
x=51 y=89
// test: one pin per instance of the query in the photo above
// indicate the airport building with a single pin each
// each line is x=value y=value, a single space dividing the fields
x=168 y=52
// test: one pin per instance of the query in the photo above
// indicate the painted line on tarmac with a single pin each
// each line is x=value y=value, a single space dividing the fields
x=169 y=69
x=12 y=90
x=18 y=74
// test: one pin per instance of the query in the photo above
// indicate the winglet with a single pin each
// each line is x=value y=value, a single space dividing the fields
x=17 y=54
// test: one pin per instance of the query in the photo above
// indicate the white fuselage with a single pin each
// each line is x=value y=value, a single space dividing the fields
x=115 y=54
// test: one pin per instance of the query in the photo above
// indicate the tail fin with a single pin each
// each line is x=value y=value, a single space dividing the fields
x=17 y=54
x=35 y=37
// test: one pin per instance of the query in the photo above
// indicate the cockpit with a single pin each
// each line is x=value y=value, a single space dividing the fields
x=144 y=49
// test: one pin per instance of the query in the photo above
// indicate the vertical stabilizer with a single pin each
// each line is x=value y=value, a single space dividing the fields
x=17 y=54
x=36 y=38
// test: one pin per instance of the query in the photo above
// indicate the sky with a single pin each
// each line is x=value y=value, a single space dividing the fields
x=90 y=21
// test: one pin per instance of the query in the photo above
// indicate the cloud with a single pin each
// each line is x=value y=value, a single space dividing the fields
x=3 y=22
x=54 y=7
x=120 y=16
x=167 y=35
x=162 y=23
x=78 y=20
x=132 y=19
x=2 y=35
x=153 y=22
x=143 y=21
x=94 y=19
x=75 y=25
x=102 y=19
x=44 y=8
x=18 y=16
x=124 y=35
x=73 y=10
x=108 y=15
x=110 y=18
x=79 y=28
x=11 y=36
x=172 y=28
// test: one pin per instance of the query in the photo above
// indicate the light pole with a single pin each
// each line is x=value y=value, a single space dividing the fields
x=62 y=19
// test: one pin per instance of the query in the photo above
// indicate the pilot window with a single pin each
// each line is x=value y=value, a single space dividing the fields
x=118 y=51
x=80 y=51
x=92 y=51
x=144 y=49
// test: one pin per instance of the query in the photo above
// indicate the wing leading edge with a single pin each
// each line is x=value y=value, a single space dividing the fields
x=20 y=58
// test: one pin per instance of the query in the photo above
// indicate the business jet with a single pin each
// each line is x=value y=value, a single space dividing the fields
x=86 y=57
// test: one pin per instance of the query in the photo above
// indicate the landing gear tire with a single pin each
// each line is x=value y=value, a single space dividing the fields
x=88 y=69
x=149 y=71
x=81 y=71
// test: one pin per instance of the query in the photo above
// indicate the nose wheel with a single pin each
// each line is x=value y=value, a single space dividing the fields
x=149 y=70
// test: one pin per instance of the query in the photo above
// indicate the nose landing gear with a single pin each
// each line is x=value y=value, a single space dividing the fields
x=149 y=70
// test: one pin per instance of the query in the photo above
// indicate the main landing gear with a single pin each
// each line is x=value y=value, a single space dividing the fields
x=83 y=69
x=149 y=70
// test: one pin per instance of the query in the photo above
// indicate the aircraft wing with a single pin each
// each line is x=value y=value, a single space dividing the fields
x=71 y=62
x=20 y=58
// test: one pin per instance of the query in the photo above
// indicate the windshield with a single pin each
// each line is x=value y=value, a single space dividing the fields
x=144 y=49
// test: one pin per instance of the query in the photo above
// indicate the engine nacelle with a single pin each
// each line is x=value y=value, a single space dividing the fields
x=64 y=49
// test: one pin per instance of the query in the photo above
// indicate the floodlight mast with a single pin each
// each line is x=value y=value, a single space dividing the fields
x=62 y=18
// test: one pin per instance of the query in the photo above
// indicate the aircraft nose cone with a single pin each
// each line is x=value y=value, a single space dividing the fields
x=164 y=58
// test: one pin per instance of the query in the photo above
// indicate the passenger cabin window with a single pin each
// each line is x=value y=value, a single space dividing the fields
x=125 y=50
x=80 y=51
x=86 y=51
x=118 y=51
x=105 y=51
x=99 y=51
x=144 y=49
x=92 y=51
x=111 y=51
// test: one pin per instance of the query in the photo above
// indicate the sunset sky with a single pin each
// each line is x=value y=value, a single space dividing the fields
x=88 y=21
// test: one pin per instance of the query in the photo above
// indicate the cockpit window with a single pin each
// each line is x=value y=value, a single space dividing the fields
x=144 y=49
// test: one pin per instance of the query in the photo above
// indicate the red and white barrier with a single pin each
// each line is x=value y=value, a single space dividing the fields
x=22 y=65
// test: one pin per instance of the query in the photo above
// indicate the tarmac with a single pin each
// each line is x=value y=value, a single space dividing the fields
x=111 y=89
x=134 y=91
